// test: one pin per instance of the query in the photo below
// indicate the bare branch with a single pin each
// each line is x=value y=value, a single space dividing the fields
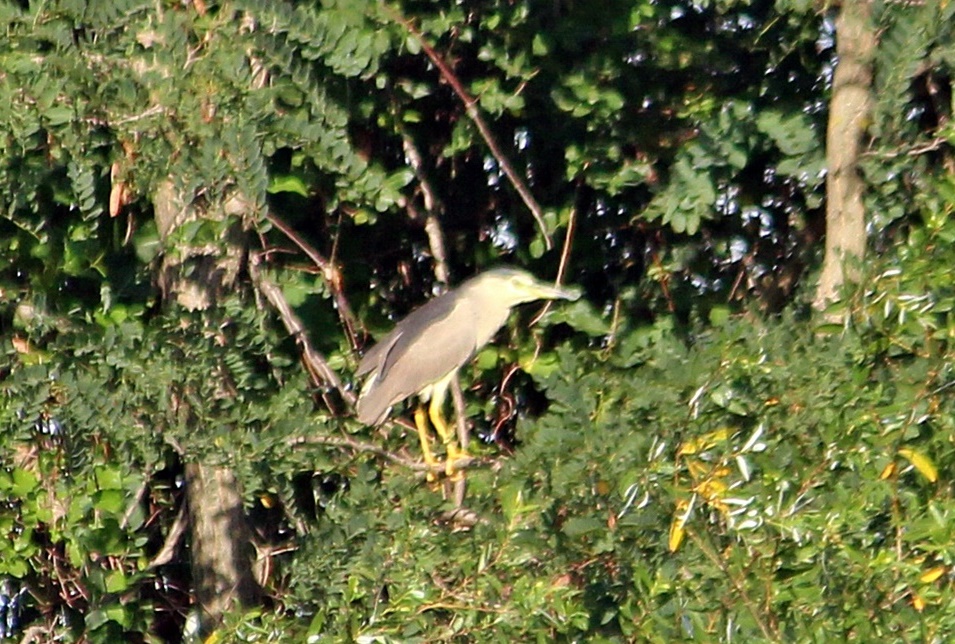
x=330 y=272
x=433 y=206
x=912 y=150
x=168 y=550
x=354 y=445
x=471 y=107
x=564 y=259
x=322 y=374
x=131 y=510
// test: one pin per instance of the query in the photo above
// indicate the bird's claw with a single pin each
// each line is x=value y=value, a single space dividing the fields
x=454 y=455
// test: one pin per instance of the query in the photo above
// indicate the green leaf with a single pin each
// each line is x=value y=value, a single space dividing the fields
x=582 y=317
x=61 y=115
x=111 y=502
x=95 y=619
x=580 y=526
x=24 y=482
x=119 y=614
x=487 y=358
x=540 y=366
x=292 y=183
x=792 y=132
x=109 y=478
x=146 y=242
x=14 y=567
x=719 y=315
x=116 y=582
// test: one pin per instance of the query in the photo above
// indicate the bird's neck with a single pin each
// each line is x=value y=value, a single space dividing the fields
x=489 y=314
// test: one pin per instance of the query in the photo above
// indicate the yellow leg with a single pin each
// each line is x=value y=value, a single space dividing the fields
x=447 y=437
x=421 y=422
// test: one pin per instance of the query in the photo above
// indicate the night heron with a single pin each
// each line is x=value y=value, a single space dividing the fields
x=425 y=349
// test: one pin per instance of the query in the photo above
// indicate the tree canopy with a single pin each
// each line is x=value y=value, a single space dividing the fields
x=211 y=210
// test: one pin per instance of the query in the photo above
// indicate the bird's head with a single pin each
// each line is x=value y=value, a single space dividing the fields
x=514 y=286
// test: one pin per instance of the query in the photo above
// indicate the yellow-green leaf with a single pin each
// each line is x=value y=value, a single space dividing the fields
x=921 y=462
x=929 y=576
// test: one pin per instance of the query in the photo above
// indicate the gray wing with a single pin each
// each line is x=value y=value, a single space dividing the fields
x=423 y=348
x=398 y=340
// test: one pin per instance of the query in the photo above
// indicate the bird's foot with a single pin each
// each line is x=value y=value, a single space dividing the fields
x=454 y=454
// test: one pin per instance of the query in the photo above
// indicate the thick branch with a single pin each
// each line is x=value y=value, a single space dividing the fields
x=321 y=373
x=197 y=276
x=222 y=543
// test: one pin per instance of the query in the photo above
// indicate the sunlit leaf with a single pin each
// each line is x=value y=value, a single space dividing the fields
x=288 y=183
x=921 y=462
x=582 y=317
x=678 y=525
x=932 y=575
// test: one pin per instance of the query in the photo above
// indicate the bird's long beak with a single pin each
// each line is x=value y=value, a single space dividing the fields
x=548 y=292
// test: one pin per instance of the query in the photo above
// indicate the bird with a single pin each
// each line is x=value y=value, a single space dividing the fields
x=424 y=351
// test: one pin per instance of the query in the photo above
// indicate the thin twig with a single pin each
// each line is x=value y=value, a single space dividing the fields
x=928 y=146
x=436 y=241
x=568 y=245
x=35 y=634
x=433 y=207
x=564 y=260
x=152 y=111
x=464 y=438
x=714 y=558
x=128 y=515
x=471 y=107
x=330 y=272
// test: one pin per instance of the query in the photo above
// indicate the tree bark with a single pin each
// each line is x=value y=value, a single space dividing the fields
x=196 y=276
x=849 y=114
x=222 y=551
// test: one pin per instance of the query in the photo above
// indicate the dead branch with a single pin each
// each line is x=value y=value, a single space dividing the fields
x=357 y=446
x=321 y=373
x=471 y=108
x=330 y=272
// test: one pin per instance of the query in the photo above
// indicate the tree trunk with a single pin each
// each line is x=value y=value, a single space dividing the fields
x=222 y=551
x=849 y=114
x=221 y=547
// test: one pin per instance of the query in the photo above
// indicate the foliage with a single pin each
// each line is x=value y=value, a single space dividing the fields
x=800 y=470
x=664 y=461
x=101 y=422
x=913 y=106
